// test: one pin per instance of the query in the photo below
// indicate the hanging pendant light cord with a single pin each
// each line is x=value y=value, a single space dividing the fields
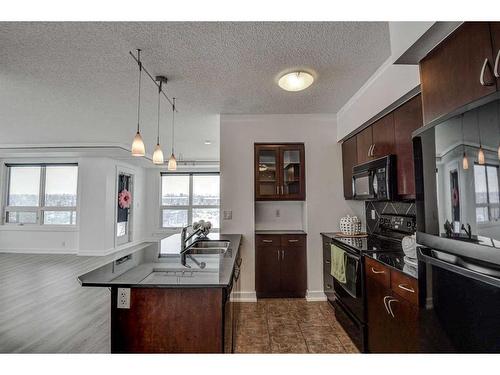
x=463 y=137
x=139 y=97
x=173 y=123
x=478 y=128
x=158 y=134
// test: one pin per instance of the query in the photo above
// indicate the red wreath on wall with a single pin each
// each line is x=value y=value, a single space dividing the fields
x=124 y=199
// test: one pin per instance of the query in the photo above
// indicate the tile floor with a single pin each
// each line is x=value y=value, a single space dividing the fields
x=290 y=326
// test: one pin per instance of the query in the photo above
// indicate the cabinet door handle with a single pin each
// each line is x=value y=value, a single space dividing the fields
x=282 y=254
x=375 y=271
x=293 y=241
x=373 y=150
x=281 y=189
x=278 y=255
x=369 y=150
x=408 y=289
x=267 y=241
x=385 y=304
x=483 y=70
x=277 y=190
x=497 y=62
x=389 y=306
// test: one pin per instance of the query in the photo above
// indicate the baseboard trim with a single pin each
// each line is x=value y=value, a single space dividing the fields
x=243 y=297
x=315 y=295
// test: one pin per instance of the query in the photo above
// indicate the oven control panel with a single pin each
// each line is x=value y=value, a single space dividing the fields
x=406 y=224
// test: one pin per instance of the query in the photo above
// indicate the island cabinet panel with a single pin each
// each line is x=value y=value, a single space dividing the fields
x=349 y=160
x=451 y=74
x=407 y=118
x=364 y=143
x=169 y=320
x=383 y=137
x=280 y=265
x=392 y=310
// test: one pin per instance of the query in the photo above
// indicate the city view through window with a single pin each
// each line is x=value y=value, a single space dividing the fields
x=189 y=198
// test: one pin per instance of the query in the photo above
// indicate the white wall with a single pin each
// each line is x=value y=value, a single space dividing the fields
x=95 y=230
x=389 y=83
x=325 y=202
x=280 y=216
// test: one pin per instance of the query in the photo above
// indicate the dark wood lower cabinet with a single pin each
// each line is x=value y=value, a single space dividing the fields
x=392 y=319
x=280 y=265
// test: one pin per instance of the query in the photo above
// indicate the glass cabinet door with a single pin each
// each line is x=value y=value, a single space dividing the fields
x=267 y=175
x=292 y=172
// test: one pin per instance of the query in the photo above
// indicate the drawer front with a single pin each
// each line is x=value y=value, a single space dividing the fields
x=267 y=240
x=293 y=240
x=405 y=286
x=377 y=272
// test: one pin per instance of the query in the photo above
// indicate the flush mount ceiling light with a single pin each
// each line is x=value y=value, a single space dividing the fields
x=296 y=81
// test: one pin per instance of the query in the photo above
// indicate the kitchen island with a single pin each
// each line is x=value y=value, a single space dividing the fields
x=160 y=306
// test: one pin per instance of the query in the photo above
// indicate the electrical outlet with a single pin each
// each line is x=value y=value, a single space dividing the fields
x=123 y=300
x=278 y=213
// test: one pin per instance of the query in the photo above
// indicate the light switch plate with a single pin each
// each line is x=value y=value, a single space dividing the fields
x=123 y=300
x=228 y=215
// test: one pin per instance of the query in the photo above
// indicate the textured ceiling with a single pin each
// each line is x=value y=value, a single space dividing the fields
x=72 y=76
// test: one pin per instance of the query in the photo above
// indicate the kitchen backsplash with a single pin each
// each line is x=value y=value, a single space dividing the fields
x=380 y=208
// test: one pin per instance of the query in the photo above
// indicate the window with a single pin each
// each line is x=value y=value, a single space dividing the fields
x=487 y=193
x=186 y=198
x=41 y=194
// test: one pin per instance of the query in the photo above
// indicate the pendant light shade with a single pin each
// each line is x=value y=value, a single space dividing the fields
x=158 y=155
x=172 y=163
x=480 y=156
x=138 y=148
x=465 y=162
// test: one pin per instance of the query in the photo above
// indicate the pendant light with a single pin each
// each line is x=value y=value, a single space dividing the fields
x=138 y=148
x=480 y=154
x=465 y=161
x=158 y=153
x=172 y=162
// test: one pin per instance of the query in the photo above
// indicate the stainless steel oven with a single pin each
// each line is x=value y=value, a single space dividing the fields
x=375 y=180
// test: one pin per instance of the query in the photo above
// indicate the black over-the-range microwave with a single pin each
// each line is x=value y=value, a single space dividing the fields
x=375 y=180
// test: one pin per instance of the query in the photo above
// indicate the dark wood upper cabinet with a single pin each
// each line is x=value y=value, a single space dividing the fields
x=383 y=137
x=280 y=171
x=407 y=118
x=495 y=39
x=349 y=160
x=280 y=265
x=451 y=74
x=364 y=143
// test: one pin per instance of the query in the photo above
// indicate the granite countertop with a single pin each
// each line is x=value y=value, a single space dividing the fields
x=264 y=231
x=145 y=268
x=395 y=260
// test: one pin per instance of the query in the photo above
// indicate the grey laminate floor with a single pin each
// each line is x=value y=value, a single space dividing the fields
x=43 y=308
